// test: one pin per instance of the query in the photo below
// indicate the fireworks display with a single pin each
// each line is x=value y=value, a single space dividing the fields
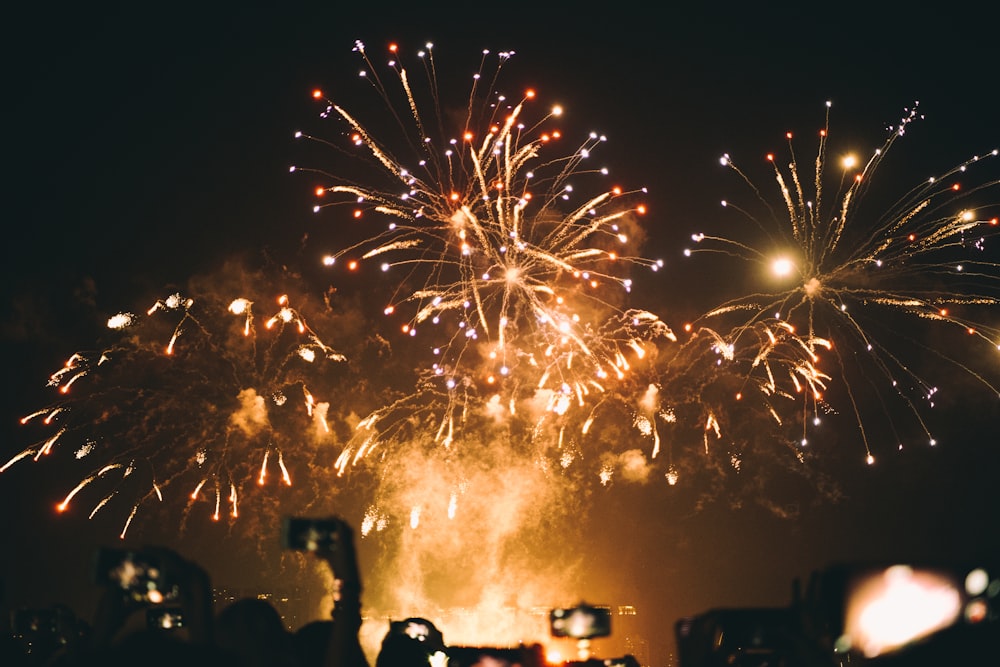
x=848 y=291
x=498 y=361
x=197 y=397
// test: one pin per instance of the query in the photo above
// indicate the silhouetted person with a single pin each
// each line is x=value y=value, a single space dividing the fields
x=114 y=642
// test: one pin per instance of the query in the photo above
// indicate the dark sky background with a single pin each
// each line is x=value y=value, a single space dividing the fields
x=144 y=142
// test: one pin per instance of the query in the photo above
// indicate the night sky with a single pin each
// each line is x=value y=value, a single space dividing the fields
x=144 y=145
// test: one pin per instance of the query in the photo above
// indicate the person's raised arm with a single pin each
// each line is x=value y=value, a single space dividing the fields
x=345 y=647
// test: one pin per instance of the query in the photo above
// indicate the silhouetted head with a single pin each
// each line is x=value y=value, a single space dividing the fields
x=311 y=641
x=410 y=642
x=252 y=630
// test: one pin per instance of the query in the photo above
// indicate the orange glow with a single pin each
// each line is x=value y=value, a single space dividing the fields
x=912 y=237
x=467 y=136
x=943 y=312
x=498 y=185
x=616 y=190
x=352 y=265
x=454 y=196
x=739 y=396
x=970 y=331
x=317 y=94
x=822 y=133
x=357 y=213
x=956 y=187
x=490 y=379
x=545 y=138
x=529 y=94
x=770 y=157
x=393 y=48
x=64 y=389
x=320 y=191
x=612 y=256
x=61 y=507
x=687 y=327
x=788 y=135
x=641 y=209
x=995 y=221
x=405 y=328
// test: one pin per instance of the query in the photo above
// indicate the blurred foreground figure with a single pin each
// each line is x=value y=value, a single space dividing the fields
x=871 y=614
x=322 y=643
x=175 y=598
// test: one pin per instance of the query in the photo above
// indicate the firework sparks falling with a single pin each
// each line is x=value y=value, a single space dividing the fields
x=849 y=292
x=199 y=391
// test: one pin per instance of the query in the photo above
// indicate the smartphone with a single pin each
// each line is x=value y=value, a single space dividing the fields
x=580 y=622
x=138 y=574
x=304 y=534
x=164 y=618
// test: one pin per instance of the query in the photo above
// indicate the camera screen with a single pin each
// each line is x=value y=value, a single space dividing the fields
x=137 y=574
x=309 y=534
x=163 y=618
x=889 y=608
x=582 y=622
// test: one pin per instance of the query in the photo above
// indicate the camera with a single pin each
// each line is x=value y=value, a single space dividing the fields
x=580 y=622
x=303 y=534
x=140 y=575
x=164 y=618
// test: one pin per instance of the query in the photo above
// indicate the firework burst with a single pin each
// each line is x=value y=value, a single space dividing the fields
x=508 y=257
x=849 y=293
x=203 y=396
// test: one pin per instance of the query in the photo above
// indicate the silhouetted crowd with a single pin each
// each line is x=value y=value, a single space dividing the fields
x=157 y=608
